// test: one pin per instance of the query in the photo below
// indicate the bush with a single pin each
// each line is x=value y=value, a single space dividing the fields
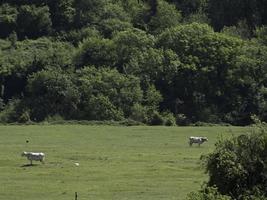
x=24 y=117
x=52 y=92
x=15 y=111
x=182 y=120
x=101 y=108
x=238 y=165
x=139 y=113
x=156 y=119
x=169 y=119
x=33 y=21
x=54 y=118
x=208 y=193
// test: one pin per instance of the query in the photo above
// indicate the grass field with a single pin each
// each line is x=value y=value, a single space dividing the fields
x=115 y=162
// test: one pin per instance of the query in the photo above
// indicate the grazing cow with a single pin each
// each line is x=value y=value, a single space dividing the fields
x=197 y=140
x=34 y=156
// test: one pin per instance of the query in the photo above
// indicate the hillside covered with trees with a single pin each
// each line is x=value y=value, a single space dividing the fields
x=152 y=61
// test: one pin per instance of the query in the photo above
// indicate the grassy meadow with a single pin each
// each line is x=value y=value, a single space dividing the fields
x=115 y=162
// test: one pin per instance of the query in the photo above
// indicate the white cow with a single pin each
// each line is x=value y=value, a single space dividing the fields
x=197 y=140
x=34 y=156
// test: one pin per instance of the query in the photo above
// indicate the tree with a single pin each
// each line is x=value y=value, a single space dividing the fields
x=97 y=52
x=28 y=57
x=8 y=18
x=87 y=12
x=62 y=13
x=188 y=7
x=33 y=22
x=130 y=43
x=52 y=93
x=109 y=27
x=166 y=16
x=147 y=65
x=117 y=93
x=114 y=19
x=261 y=35
x=153 y=6
x=228 y=13
x=204 y=60
x=248 y=82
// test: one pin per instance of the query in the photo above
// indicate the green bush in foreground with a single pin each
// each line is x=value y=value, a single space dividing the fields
x=238 y=166
x=209 y=193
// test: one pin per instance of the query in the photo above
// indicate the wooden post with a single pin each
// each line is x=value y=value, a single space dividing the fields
x=76 y=196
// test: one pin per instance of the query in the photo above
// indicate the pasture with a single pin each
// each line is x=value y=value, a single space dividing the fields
x=114 y=162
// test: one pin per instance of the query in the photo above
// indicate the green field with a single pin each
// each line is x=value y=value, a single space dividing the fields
x=115 y=162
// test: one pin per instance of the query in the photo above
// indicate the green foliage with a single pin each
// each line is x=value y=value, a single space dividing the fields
x=205 y=60
x=62 y=13
x=131 y=42
x=115 y=91
x=189 y=6
x=9 y=112
x=181 y=120
x=199 y=17
x=28 y=57
x=168 y=48
x=237 y=167
x=32 y=55
x=152 y=97
x=87 y=12
x=115 y=11
x=139 y=113
x=208 y=193
x=100 y=107
x=76 y=37
x=8 y=18
x=248 y=81
x=241 y=30
x=261 y=35
x=109 y=27
x=169 y=119
x=228 y=13
x=50 y=93
x=166 y=16
x=146 y=64
x=96 y=51
x=33 y=21
x=156 y=118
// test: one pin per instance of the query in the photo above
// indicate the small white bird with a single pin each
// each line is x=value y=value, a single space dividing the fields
x=77 y=164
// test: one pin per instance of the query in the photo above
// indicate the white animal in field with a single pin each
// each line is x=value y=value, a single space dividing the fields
x=197 y=140
x=34 y=156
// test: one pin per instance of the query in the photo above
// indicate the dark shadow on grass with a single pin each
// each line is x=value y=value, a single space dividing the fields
x=28 y=165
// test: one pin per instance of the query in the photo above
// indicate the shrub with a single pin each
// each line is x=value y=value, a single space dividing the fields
x=208 y=193
x=54 y=118
x=238 y=165
x=52 y=92
x=181 y=120
x=24 y=117
x=139 y=113
x=156 y=119
x=9 y=113
x=169 y=119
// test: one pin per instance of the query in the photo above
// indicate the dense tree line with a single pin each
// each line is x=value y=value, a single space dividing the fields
x=152 y=61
